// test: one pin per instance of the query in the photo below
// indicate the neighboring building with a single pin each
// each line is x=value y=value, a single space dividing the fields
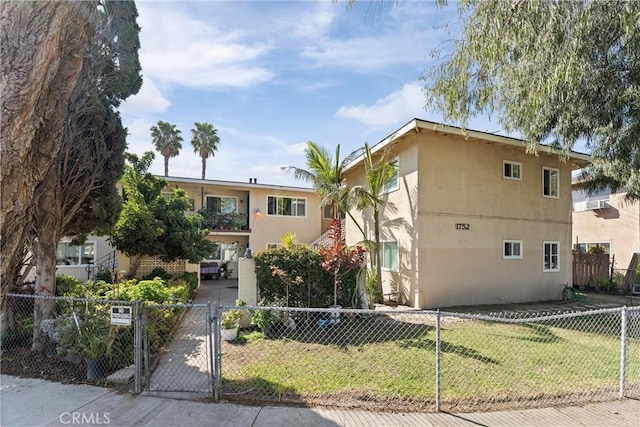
x=471 y=218
x=246 y=215
x=606 y=219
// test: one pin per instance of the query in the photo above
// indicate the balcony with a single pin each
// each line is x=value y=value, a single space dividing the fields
x=225 y=222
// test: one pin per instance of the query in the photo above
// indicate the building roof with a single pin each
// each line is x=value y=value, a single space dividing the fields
x=579 y=160
x=221 y=183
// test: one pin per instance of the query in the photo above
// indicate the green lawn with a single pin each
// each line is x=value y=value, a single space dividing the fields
x=483 y=364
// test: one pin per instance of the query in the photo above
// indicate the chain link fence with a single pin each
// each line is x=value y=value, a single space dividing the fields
x=70 y=340
x=425 y=361
x=379 y=360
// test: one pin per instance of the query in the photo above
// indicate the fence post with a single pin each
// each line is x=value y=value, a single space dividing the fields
x=438 y=360
x=216 y=354
x=623 y=349
x=137 y=356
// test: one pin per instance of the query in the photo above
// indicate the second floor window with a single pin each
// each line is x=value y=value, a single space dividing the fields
x=222 y=204
x=393 y=183
x=550 y=182
x=286 y=206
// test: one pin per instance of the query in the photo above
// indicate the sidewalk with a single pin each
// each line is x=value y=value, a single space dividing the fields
x=35 y=402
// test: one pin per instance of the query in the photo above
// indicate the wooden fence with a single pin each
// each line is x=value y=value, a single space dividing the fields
x=588 y=268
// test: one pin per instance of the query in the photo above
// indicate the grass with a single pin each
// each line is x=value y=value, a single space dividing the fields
x=482 y=362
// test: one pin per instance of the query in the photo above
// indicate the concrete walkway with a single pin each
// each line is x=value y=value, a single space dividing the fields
x=184 y=363
x=34 y=402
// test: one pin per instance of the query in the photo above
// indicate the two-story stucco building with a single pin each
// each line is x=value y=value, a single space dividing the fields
x=471 y=218
x=245 y=215
x=608 y=220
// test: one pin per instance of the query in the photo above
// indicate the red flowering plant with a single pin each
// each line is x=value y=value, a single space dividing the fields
x=339 y=259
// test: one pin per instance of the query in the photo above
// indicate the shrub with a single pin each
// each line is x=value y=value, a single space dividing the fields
x=103 y=274
x=158 y=272
x=315 y=287
x=68 y=286
x=146 y=290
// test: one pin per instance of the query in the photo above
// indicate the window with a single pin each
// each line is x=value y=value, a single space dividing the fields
x=327 y=212
x=550 y=182
x=286 y=206
x=273 y=246
x=551 y=254
x=68 y=254
x=512 y=249
x=389 y=256
x=392 y=184
x=594 y=248
x=512 y=170
x=222 y=204
x=224 y=251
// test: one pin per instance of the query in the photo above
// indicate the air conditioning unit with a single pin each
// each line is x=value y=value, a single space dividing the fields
x=591 y=205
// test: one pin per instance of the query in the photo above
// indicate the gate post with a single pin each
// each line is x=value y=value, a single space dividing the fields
x=623 y=349
x=438 y=360
x=216 y=353
x=137 y=356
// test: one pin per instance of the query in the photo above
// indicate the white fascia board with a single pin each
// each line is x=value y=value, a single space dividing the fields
x=236 y=184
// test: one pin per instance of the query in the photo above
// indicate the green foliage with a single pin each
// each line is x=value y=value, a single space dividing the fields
x=167 y=141
x=153 y=225
x=67 y=285
x=552 y=71
x=263 y=319
x=204 y=139
x=231 y=318
x=158 y=272
x=145 y=290
x=104 y=274
x=315 y=287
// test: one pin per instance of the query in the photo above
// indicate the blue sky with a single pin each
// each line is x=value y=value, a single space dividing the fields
x=271 y=76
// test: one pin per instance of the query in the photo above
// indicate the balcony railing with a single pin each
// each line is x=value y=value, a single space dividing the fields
x=229 y=221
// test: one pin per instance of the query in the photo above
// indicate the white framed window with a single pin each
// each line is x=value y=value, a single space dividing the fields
x=512 y=249
x=512 y=170
x=224 y=251
x=68 y=254
x=550 y=182
x=551 y=256
x=393 y=183
x=286 y=206
x=222 y=204
x=273 y=245
x=389 y=256
x=594 y=247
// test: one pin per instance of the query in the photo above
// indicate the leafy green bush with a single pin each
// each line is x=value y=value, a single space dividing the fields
x=103 y=274
x=180 y=290
x=145 y=290
x=68 y=286
x=158 y=272
x=315 y=289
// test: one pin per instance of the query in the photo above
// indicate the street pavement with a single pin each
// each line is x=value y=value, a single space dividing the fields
x=35 y=402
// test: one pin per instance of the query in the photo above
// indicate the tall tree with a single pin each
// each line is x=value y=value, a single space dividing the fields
x=152 y=225
x=554 y=71
x=378 y=172
x=42 y=51
x=204 y=139
x=79 y=194
x=167 y=141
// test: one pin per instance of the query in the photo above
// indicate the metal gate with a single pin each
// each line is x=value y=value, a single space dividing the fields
x=177 y=343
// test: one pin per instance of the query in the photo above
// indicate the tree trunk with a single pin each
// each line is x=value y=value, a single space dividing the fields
x=204 y=167
x=45 y=249
x=41 y=51
x=376 y=231
x=166 y=165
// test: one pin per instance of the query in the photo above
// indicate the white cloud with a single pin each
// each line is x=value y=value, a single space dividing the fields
x=397 y=107
x=181 y=49
x=148 y=100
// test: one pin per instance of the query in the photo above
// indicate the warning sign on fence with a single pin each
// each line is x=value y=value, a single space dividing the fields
x=121 y=315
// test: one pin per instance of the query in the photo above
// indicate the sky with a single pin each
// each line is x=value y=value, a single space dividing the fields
x=271 y=76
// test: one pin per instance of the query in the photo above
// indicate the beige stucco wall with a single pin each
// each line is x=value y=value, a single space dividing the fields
x=446 y=180
x=618 y=225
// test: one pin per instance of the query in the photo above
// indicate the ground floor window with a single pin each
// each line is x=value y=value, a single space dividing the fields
x=273 y=245
x=389 y=255
x=68 y=254
x=225 y=251
x=594 y=248
x=551 y=256
x=512 y=249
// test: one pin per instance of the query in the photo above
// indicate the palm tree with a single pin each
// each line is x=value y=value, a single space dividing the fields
x=377 y=175
x=326 y=173
x=167 y=141
x=205 y=142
